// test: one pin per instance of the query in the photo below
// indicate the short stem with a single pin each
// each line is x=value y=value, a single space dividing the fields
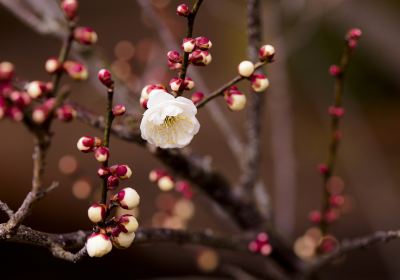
x=109 y=117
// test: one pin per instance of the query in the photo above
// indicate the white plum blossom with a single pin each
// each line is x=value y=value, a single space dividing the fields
x=169 y=122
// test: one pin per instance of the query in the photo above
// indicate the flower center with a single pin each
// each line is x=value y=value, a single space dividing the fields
x=170 y=121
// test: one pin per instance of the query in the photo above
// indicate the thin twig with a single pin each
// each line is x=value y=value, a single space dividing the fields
x=335 y=132
x=350 y=245
x=190 y=26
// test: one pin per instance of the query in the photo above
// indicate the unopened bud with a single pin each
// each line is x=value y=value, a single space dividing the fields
x=175 y=84
x=315 y=217
x=36 y=89
x=235 y=99
x=52 y=65
x=259 y=82
x=156 y=174
x=123 y=171
x=118 y=110
x=128 y=223
x=98 y=245
x=189 y=83
x=97 y=213
x=182 y=10
x=85 y=144
x=188 y=44
x=166 y=183
x=70 y=8
x=112 y=182
x=200 y=58
x=76 y=70
x=203 y=43
x=6 y=71
x=39 y=114
x=66 y=113
x=103 y=172
x=197 y=97
x=174 y=56
x=102 y=154
x=246 y=68
x=85 y=35
x=128 y=198
x=266 y=52
x=123 y=240
x=105 y=78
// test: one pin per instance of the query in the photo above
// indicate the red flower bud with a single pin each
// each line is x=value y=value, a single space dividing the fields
x=266 y=52
x=203 y=43
x=103 y=172
x=85 y=35
x=335 y=71
x=75 y=70
x=70 y=8
x=336 y=111
x=112 y=182
x=174 y=56
x=259 y=82
x=235 y=100
x=52 y=65
x=66 y=113
x=105 y=78
x=197 y=97
x=182 y=10
x=102 y=154
x=85 y=144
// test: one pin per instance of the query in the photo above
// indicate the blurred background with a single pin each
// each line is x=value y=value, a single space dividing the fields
x=308 y=37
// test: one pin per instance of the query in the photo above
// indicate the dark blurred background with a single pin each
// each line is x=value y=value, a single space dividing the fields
x=308 y=36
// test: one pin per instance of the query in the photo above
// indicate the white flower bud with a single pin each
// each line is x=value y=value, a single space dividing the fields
x=98 y=245
x=246 y=68
x=188 y=44
x=128 y=198
x=52 y=65
x=259 y=82
x=166 y=183
x=36 y=89
x=123 y=240
x=97 y=212
x=175 y=84
x=238 y=102
x=128 y=223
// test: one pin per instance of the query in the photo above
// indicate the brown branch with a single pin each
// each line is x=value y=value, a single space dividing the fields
x=190 y=25
x=350 y=245
x=220 y=91
x=4 y=207
x=252 y=150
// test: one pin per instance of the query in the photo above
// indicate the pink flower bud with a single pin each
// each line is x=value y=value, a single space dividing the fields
x=174 y=66
x=315 y=217
x=105 y=78
x=336 y=200
x=266 y=52
x=102 y=154
x=328 y=244
x=174 y=56
x=352 y=44
x=70 y=8
x=128 y=198
x=176 y=84
x=75 y=70
x=98 y=245
x=6 y=71
x=39 y=114
x=331 y=216
x=128 y=223
x=123 y=240
x=85 y=35
x=323 y=169
x=354 y=34
x=20 y=99
x=123 y=171
x=156 y=174
x=203 y=43
x=235 y=100
x=188 y=44
x=15 y=113
x=197 y=97
x=166 y=183
x=118 y=110
x=335 y=71
x=85 y=144
x=112 y=182
x=337 y=112
x=266 y=249
x=103 y=172
x=253 y=247
x=97 y=212
x=200 y=58
x=66 y=113
x=182 y=10
x=262 y=237
x=52 y=65
x=246 y=68
x=259 y=82
x=36 y=89
x=189 y=83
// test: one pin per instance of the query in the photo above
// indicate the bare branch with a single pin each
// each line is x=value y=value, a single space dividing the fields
x=4 y=207
x=350 y=245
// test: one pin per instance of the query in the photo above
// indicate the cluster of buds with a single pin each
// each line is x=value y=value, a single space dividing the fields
x=167 y=183
x=117 y=231
x=261 y=244
x=12 y=101
x=352 y=37
x=235 y=99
